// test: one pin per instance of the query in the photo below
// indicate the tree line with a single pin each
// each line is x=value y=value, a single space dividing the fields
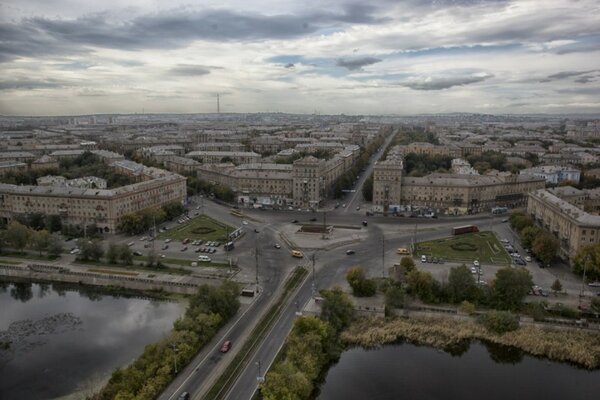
x=141 y=221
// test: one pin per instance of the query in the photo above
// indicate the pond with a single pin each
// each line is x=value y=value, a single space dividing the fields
x=65 y=340
x=476 y=371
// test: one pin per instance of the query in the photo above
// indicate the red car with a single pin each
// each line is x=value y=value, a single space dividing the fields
x=226 y=346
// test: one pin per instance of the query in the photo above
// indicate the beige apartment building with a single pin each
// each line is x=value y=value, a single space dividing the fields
x=573 y=227
x=236 y=157
x=104 y=207
x=449 y=193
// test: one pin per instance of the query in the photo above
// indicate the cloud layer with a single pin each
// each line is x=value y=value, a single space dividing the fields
x=397 y=57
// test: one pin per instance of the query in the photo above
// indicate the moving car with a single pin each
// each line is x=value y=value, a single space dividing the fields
x=402 y=251
x=204 y=258
x=184 y=396
x=294 y=221
x=297 y=253
x=277 y=246
x=350 y=252
x=244 y=222
x=226 y=346
x=137 y=253
x=365 y=223
x=313 y=219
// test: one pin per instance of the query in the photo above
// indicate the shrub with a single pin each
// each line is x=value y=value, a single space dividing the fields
x=499 y=321
x=467 y=307
x=463 y=246
x=361 y=286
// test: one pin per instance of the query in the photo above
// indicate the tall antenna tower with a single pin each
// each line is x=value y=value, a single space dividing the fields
x=218 y=104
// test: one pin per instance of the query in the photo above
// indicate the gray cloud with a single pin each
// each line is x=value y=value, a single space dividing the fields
x=444 y=83
x=568 y=74
x=47 y=37
x=585 y=79
x=289 y=65
x=356 y=63
x=31 y=84
x=189 y=70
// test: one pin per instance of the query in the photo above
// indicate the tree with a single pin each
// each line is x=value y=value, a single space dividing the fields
x=422 y=285
x=587 y=258
x=17 y=235
x=112 y=253
x=55 y=247
x=528 y=235
x=89 y=250
x=500 y=321
x=125 y=254
x=510 y=288
x=556 y=286
x=336 y=308
x=545 y=247
x=408 y=264
x=53 y=223
x=461 y=285
x=367 y=190
x=40 y=240
x=361 y=286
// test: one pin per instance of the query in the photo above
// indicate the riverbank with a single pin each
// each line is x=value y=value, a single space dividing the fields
x=573 y=346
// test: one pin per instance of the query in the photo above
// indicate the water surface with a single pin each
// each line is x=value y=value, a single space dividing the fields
x=475 y=372
x=66 y=339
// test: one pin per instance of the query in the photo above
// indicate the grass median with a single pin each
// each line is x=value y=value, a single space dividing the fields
x=221 y=386
x=202 y=227
x=482 y=246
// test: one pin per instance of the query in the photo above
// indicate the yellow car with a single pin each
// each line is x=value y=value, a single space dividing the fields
x=403 y=251
x=297 y=254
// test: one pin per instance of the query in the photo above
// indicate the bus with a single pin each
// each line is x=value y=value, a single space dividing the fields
x=459 y=230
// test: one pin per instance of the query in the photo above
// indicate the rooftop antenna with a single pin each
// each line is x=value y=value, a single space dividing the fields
x=218 y=105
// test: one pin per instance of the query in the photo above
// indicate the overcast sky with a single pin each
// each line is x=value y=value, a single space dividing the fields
x=402 y=57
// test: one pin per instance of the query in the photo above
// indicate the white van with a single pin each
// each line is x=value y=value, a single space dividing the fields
x=204 y=258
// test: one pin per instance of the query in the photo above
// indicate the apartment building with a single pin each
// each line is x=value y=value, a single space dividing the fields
x=572 y=226
x=553 y=174
x=449 y=193
x=236 y=157
x=84 y=206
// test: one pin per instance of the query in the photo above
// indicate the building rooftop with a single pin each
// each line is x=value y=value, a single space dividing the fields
x=567 y=208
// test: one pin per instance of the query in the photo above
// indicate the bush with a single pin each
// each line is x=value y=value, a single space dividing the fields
x=536 y=310
x=500 y=321
x=361 y=286
x=467 y=307
x=463 y=246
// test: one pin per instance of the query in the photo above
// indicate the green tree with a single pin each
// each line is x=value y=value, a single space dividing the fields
x=124 y=254
x=367 y=190
x=40 y=240
x=55 y=247
x=53 y=223
x=337 y=309
x=89 y=250
x=500 y=321
x=408 y=264
x=17 y=235
x=112 y=253
x=422 y=285
x=394 y=296
x=528 y=235
x=587 y=258
x=510 y=288
x=285 y=381
x=556 y=287
x=361 y=286
x=461 y=285
x=545 y=247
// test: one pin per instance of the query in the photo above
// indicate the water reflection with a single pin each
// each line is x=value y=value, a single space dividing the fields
x=465 y=371
x=64 y=337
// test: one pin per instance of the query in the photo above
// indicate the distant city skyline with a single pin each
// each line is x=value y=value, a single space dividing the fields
x=330 y=56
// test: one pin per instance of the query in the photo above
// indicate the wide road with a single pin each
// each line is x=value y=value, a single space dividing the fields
x=357 y=196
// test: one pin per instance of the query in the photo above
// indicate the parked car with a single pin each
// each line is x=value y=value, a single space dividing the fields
x=473 y=270
x=226 y=346
x=130 y=244
x=313 y=219
x=198 y=250
x=204 y=258
x=528 y=258
x=423 y=259
x=244 y=222
x=358 y=208
x=167 y=240
x=137 y=253
x=184 y=248
x=74 y=251
x=476 y=263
